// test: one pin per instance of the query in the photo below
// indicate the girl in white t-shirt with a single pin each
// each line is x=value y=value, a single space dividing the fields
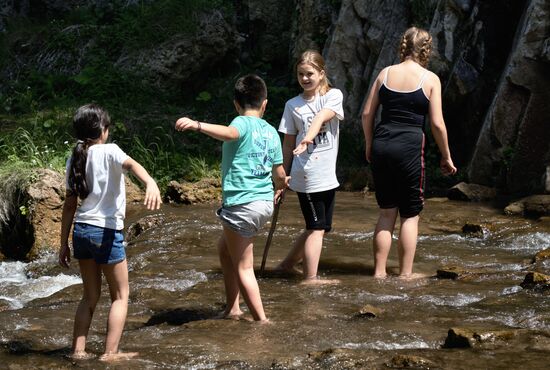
x=95 y=174
x=310 y=123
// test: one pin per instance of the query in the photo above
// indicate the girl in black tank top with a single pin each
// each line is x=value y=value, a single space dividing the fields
x=395 y=149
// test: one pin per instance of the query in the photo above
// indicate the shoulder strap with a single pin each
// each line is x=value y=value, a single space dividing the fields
x=422 y=79
x=386 y=76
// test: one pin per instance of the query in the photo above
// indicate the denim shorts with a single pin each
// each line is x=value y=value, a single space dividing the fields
x=105 y=246
x=246 y=219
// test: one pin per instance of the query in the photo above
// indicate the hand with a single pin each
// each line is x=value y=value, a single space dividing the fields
x=64 y=256
x=279 y=196
x=152 y=196
x=368 y=154
x=186 y=123
x=302 y=146
x=447 y=167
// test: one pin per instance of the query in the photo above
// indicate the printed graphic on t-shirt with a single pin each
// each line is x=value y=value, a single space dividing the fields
x=261 y=161
x=323 y=141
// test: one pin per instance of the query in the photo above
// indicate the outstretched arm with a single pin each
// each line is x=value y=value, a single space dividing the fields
x=439 y=131
x=369 y=113
x=69 y=208
x=219 y=132
x=324 y=115
x=152 y=192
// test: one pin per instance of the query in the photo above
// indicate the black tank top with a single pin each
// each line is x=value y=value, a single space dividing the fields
x=402 y=110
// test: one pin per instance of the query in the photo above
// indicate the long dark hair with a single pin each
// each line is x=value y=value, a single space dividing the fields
x=89 y=122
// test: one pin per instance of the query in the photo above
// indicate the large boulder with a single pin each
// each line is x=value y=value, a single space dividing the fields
x=471 y=192
x=534 y=206
x=204 y=191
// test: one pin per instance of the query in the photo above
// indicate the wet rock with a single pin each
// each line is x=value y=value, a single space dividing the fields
x=469 y=338
x=203 y=191
x=541 y=255
x=369 y=311
x=411 y=361
x=471 y=192
x=536 y=280
x=39 y=269
x=532 y=206
x=4 y=305
x=144 y=224
x=339 y=358
x=134 y=194
x=477 y=230
x=451 y=272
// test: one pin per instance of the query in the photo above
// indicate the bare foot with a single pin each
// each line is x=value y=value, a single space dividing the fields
x=81 y=356
x=285 y=270
x=232 y=315
x=316 y=280
x=119 y=356
x=380 y=277
x=413 y=276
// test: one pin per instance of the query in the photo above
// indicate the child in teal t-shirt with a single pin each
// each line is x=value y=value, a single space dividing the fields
x=251 y=159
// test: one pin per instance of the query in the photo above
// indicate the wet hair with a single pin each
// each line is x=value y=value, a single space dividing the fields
x=315 y=59
x=250 y=91
x=89 y=122
x=416 y=44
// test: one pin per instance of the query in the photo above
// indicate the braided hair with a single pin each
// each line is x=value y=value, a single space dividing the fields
x=416 y=44
x=89 y=122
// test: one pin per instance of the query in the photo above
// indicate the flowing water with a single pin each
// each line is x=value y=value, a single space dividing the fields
x=177 y=293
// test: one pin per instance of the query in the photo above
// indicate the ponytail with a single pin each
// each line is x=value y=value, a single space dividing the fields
x=89 y=122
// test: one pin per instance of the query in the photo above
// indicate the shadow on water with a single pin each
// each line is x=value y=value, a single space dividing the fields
x=180 y=316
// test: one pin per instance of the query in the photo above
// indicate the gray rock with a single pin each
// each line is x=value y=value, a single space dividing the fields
x=533 y=206
x=471 y=192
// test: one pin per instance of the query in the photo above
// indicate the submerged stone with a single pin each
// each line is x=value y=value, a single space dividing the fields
x=541 y=255
x=536 y=280
x=144 y=224
x=411 y=361
x=469 y=338
x=452 y=272
x=369 y=311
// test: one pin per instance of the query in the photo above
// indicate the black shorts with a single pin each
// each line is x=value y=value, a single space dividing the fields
x=317 y=209
x=398 y=172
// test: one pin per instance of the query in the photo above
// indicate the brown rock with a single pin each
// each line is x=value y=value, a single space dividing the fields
x=452 y=272
x=536 y=280
x=369 y=311
x=134 y=194
x=406 y=361
x=533 y=206
x=469 y=338
x=475 y=229
x=471 y=192
x=541 y=255
x=203 y=191
x=144 y=224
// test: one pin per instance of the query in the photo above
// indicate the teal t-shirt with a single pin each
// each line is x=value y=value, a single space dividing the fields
x=247 y=161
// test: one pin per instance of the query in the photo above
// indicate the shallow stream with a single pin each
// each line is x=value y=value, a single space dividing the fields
x=177 y=293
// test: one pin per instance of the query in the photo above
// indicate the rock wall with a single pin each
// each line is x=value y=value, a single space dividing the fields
x=513 y=150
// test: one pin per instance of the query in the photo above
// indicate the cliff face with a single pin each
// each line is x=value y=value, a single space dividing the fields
x=492 y=57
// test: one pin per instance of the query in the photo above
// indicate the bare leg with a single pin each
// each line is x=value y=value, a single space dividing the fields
x=407 y=245
x=117 y=278
x=296 y=254
x=382 y=240
x=91 y=281
x=312 y=252
x=230 y=280
x=240 y=250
